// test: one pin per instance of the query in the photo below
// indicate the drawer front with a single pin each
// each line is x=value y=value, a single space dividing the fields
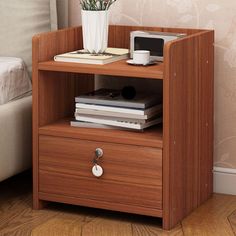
x=121 y=163
x=100 y=190
x=132 y=174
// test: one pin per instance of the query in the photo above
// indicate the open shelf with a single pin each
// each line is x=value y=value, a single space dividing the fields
x=119 y=68
x=151 y=137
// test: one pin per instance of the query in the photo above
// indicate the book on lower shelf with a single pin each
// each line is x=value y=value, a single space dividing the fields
x=113 y=97
x=120 y=123
x=83 y=124
x=134 y=111
x=146 y=112
x=79 y=116
x=83 y=57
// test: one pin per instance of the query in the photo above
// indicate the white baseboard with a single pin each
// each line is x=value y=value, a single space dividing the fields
x=224 y=180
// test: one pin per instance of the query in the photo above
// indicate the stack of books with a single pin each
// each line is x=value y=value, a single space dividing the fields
x=106 y=108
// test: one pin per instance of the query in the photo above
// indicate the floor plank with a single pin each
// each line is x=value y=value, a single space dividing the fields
x=232 y=221
x=60 y=225
x=217 y=217
x=211 y=218
x=147 y=230
x=107 y=227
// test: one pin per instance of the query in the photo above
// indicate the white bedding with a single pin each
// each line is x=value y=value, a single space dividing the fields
x=14 y=79
x=16 y=137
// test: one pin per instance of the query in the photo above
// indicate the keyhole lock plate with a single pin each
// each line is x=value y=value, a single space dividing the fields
x=97 y=170
x=98 y=152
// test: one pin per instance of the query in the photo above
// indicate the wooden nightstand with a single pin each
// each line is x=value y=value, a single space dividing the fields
x=163 y=172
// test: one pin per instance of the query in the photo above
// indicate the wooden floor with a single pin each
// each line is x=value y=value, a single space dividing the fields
x=215 y=217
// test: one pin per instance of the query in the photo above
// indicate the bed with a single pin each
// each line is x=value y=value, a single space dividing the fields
x=19 y=21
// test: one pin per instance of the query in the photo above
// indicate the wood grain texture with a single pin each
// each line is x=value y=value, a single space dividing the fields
x=90 y=188
x=60 y=225
x=188 y=122
x=52 y=101
x=151 y=230
x=57 y=42
x=150 y=138
x=118 y=207
x=35 y=120
x=55 y=99
x=107 y=227
x=119 y=68
x=212 y=218
x=187 y=139
x=215 y=217
x=57 y=92
x=124 y=172
x=121 y=163
x=16 y=214
x=206 y=111
x=119 y=36
x=232 y=221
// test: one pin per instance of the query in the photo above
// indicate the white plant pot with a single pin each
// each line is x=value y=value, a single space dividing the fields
x=95 y=30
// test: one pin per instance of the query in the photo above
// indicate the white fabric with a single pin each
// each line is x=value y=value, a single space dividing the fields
x=14 y=79
x=16 y=137
x=19 y=21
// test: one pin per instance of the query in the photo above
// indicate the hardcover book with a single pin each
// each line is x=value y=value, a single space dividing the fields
x=82 y=124
x=111 y=97
x=141 y=121
x=82 y=56
x=123 y=124
x=118 y=115
x=141 y=112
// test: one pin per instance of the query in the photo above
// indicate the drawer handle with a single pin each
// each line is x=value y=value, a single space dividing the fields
x=97 y=170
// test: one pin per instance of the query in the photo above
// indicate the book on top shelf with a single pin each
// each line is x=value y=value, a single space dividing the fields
x=82 y=56
x=112 y=97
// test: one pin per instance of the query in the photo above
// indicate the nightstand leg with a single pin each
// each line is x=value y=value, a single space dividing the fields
x=39 y=204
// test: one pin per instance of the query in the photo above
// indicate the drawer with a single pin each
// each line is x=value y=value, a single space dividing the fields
x=132 y=174
x=100 y=190
x=121 y=163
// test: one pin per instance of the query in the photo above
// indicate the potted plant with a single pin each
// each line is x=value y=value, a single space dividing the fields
x=95 y=21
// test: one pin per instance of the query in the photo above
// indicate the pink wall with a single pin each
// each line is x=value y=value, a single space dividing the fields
x=217 y=14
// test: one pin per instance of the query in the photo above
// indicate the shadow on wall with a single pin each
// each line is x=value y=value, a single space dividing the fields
x=63 y=11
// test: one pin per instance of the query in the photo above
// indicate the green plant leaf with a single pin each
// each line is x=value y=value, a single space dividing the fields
x=96 y=5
